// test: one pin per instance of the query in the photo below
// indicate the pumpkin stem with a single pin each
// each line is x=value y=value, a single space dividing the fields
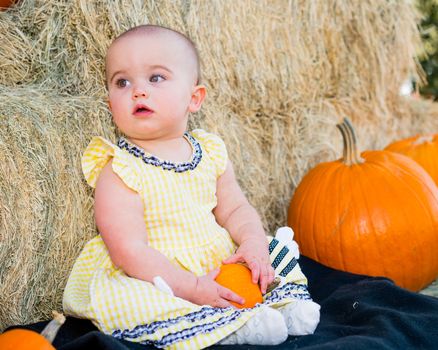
x=49 y=332
x=351 y=154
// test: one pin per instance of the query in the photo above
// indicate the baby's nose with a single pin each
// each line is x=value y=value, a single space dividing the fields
x=139 y=93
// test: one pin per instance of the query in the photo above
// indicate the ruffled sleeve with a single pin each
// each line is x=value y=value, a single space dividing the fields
x=98 y=153
x=215 y=147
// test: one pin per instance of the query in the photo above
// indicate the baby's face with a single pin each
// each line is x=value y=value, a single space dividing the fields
x=151 y=80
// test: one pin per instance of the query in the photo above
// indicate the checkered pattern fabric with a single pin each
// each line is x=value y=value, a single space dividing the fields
x=180 y=224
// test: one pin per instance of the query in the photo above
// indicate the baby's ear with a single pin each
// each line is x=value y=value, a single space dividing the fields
x=109 y=105
x=198 y=96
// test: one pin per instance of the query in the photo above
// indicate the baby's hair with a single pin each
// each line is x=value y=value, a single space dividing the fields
x=157 y=29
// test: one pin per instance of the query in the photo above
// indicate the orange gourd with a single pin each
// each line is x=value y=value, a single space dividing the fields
x=237 y=277
x=24 y=339
x=421 y=148
x=375 y=214
x=4 y=4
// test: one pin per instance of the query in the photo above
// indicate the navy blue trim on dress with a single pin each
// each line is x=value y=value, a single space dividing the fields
x=138 y=152
x=185 y=333
x=289 y=290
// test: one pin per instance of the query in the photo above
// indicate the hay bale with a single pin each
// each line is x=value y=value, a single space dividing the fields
x=15 y=54
x=45 y=211
x=280 y=75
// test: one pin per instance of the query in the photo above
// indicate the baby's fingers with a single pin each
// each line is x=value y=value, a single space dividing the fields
x=213 y=273
x=266 y=277
x=271 y=272
x=254 y=266
x=221 y=303
x=229 y=295
x=235 y=258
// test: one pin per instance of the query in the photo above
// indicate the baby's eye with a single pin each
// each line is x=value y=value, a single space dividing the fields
x=156 y=78
x=121 y=83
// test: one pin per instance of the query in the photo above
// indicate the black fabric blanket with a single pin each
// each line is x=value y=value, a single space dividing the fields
x=357 y=312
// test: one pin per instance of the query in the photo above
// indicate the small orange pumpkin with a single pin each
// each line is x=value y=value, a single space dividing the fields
x=421 y=148
x=4 y=4
x=24 y=339
x=237 y=277
x=375 y=214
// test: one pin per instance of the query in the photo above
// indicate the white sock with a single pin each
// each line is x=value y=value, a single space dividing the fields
x=301 y=317
x=267 y=327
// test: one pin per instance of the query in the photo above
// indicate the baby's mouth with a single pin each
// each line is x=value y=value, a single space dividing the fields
x=142 y=110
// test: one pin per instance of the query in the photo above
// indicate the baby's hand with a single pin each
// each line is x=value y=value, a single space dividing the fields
x=255 y=254
x=209 y=292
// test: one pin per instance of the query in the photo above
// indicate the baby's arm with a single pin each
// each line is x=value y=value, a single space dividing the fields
x=241 y=220
x=119 y=218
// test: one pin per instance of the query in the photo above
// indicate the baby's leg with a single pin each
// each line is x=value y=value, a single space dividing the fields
x=267 y=327
x=301 y=317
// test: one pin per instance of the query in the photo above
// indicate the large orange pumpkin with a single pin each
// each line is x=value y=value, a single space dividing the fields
x=237 y=277
x=375 y=213
x=421 y=148
x=24 y=339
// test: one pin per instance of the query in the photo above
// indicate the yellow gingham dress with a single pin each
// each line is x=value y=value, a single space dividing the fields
x=178 y=201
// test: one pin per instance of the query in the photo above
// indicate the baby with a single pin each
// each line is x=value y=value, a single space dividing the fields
x=168 y=207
